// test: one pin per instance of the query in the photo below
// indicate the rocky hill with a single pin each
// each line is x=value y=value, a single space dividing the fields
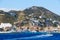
x=38 y=11
x=13 y=15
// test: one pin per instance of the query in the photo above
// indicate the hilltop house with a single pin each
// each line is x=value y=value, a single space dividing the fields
x=34 y=21
x=48 y=22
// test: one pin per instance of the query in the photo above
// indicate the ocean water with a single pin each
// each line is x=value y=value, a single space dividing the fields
x=30 y=36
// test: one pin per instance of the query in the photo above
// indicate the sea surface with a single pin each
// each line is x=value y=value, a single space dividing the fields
x=30 y=36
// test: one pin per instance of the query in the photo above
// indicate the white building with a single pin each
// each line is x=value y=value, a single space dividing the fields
x=4 y=25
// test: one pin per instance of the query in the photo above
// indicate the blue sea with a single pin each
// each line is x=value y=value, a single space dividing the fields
x=30 y=36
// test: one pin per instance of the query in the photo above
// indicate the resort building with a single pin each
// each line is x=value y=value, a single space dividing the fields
x=5 y=26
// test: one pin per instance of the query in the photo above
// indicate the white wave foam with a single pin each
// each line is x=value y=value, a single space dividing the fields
x=38 y=36
x=34 y=37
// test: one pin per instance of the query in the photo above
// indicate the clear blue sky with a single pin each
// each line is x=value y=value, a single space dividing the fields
x=52 y=5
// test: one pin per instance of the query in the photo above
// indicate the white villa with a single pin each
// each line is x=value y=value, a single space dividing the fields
x=5 y=26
